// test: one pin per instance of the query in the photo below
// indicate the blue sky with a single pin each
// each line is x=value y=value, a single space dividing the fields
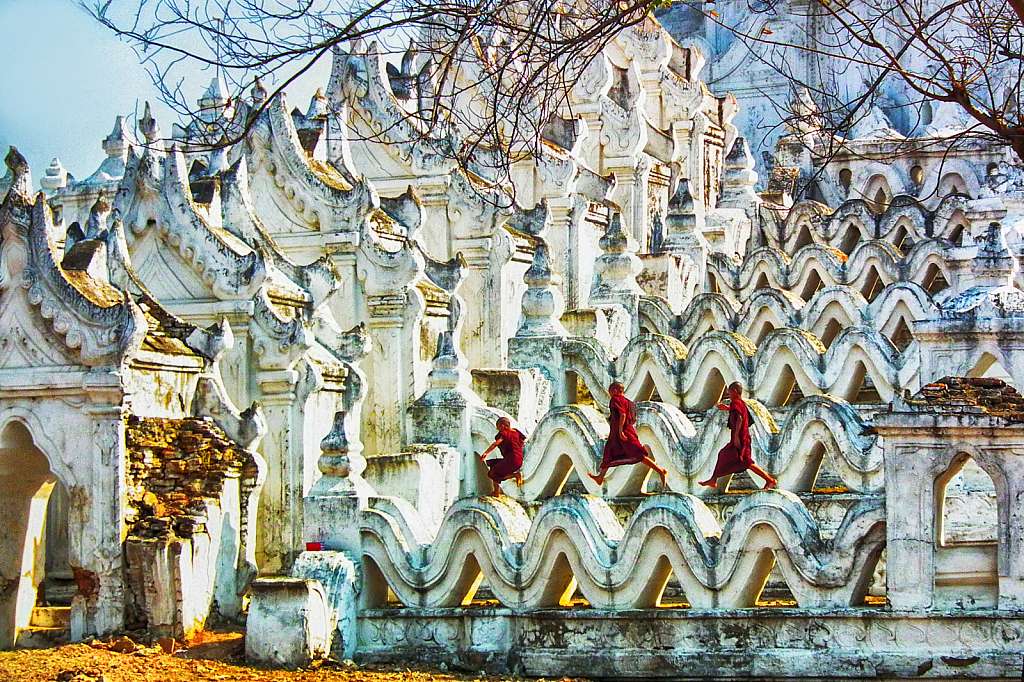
x=64 y=79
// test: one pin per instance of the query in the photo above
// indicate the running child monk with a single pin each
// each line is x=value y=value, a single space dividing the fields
x=509 y=442
x=623 y=446
x=736 y=456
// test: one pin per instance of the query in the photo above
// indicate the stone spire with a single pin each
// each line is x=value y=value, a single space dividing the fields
x=543 y=304
x=56 y=176
x=318 y=107
x=617 y=267
x=449 y=375
x=341 y=463
x=148 y=126
x=259 y=94
x=117 y=143
x=213 y=102
x=739 y=179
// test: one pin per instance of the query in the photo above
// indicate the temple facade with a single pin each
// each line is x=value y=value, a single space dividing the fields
x=378 y=306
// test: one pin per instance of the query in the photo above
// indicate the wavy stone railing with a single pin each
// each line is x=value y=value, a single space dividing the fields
x=693 y=378
x=834 y=227
x=572 y=437
x=576 y=541
x=828 y=307
x=831 y=267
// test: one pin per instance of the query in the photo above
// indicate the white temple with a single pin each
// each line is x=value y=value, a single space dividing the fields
x=379 y=306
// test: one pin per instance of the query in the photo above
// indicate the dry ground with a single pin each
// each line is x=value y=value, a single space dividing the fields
x=212 y=656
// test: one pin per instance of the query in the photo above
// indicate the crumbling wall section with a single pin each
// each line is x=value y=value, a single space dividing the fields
x=187 y=522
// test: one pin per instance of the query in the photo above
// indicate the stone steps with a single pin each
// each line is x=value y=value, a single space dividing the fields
x=48 y=626
x=51 y=617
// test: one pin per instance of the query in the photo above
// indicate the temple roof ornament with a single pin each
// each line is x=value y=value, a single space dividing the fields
x=56 y=176
x=874 y=126
x=116 y=145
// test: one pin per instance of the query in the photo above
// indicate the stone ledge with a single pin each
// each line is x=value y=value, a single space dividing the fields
x=702 y=645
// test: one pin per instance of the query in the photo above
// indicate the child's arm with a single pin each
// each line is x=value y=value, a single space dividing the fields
x=620 y=422
x=495 y=444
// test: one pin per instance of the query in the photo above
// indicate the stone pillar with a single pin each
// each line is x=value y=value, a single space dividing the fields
x=910 y=524
x=283 y=394
x=97 y=519
x=1011 y=543
x=442 y=415
x=333 y=504
x=538 y=342
x=394 y=336
x=475 y=216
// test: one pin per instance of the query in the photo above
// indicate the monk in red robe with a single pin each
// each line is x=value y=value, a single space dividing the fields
x=736 y=456
x=509 y=442
x=623 y=446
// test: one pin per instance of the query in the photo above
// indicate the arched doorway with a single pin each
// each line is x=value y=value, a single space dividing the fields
x=26 y=485
x=966 y=537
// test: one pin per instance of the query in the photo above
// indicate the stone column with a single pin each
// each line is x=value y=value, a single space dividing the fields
x=97 y=521
x=280 y=513
x=1011 y=543
x=393 y=321
x=910 y=524
x=333 y=504
x=538 y=342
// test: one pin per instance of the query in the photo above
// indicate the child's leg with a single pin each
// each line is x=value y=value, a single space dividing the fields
x=599 y=479
x=661 y=472
x=769 y=481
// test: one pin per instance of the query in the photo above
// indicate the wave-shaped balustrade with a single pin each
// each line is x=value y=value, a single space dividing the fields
x=575 y=542
x=828 y=310
x=572 y=438
x=872 y=265
x=785 y=360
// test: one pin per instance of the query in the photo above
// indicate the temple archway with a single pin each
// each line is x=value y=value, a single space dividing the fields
x=966 y=543
x=26 y=484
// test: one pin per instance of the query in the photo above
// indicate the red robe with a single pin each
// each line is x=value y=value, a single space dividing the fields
x=619 y=451
x=732 y=459
x=511 y=448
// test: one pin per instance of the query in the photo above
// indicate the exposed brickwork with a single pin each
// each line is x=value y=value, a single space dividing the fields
x=174 y=466
x=971 y=395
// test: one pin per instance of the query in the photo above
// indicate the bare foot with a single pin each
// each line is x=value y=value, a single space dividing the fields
x=708 y=484
x=519 y=479
x=664 y=477
x=772 y=483
x=597 y=479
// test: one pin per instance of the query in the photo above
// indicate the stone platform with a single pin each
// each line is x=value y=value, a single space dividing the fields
x=678 y=644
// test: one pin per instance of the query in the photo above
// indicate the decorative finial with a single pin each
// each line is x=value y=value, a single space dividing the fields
x=56 y=176
x=148 y=126
x=543 y=304
x=618 y=266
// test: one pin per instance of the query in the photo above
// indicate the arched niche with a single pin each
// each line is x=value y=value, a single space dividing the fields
x=966 y=537
x=26 y=484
